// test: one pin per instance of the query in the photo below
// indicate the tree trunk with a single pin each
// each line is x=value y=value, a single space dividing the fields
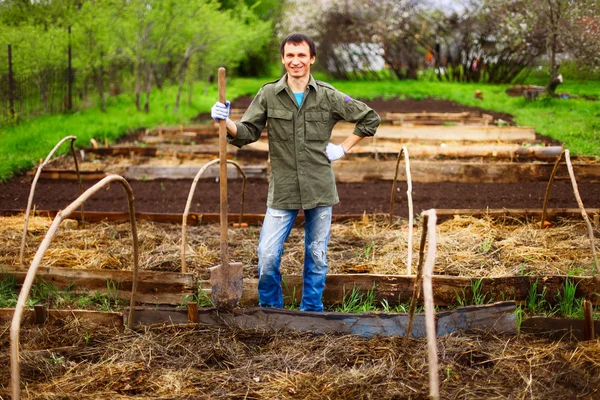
x=148 y=87
x=138 y=85
x=182 y=71
x=100 y=82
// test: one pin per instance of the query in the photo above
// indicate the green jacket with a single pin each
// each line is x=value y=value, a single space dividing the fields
x=301 y=174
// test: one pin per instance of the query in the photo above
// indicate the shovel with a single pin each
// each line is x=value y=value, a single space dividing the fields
x=226 y=278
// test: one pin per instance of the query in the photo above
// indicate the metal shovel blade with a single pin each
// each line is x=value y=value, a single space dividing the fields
x=227 y=284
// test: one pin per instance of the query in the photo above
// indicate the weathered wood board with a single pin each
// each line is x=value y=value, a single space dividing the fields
x=557 y=328
x=153 y=287
x=457 y=171
x=450 y=133
x=353 y=171
x=151 y=172
x=497 y=317
x=107 y=319
x=490 y=133
x=396 y=289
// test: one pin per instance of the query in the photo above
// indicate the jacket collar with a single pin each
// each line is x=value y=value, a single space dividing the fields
x=282 y=83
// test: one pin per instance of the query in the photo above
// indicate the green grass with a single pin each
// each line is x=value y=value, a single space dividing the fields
x=576 y=122
x=23 y=145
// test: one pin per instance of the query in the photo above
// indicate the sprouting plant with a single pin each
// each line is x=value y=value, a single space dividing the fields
x=86 y=338
x=536 y=301
x=368 y=250
x=112 y=289
x=519 y=317
x=202 y=298
x=478 y=297
x=355 y=301
x=568 y=305
x=8 y=291
x=293 y=303
x=162 y=186
x=486 y=245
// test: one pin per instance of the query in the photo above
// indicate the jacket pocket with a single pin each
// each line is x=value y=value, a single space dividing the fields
x=280 y=124
x=317 y=125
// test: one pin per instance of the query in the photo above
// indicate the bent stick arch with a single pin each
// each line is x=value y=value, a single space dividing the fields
x=29 y=278
x=189 y=203
x=34 y=183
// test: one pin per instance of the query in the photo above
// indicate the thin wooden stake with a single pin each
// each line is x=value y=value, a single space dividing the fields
x=588 y=316
x=582 y=209
x=550 y=181
x=39 y=312
x=192 y=313
x=404 y=151
x=15 y=327
x=418 y=279
x=434 y=389
x=188 y=204
x=33 y=185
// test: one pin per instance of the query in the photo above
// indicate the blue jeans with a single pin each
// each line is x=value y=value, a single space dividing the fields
x=275 y=231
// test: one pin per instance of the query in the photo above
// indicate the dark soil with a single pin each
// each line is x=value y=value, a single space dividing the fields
x=372 y=197
x=170 y=196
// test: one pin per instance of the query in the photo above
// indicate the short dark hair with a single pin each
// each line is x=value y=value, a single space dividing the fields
x=298 y=38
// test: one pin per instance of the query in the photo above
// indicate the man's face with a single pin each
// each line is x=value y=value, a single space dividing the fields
x=297 y=59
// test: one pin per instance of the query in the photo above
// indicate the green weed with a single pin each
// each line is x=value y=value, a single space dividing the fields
x=536 y=302
x=8 y=291
x=202 y=298
x=478 y=298
x=568 y=305
x=358 y=302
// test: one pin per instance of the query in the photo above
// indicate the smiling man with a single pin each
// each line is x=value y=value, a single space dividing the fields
x=299 y=113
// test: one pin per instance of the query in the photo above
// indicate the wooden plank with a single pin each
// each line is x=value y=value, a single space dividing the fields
x=352 y=171
x=518 y=134
x=397 y=289
x=557 y=328
x=497 y=317
x=71 y=174
x=491 y=152
x=151 y=172
x=489 y=133
x=123 y=151
x=457 y=171
x=107 y=319
x=153 y=287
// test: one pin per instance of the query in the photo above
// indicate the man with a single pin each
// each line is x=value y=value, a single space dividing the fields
x=299 y=113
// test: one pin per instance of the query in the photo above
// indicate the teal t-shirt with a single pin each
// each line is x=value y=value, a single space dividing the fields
x=299 y=98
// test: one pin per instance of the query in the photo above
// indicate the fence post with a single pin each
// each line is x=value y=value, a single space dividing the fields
x=11 y=83
x=70 y=77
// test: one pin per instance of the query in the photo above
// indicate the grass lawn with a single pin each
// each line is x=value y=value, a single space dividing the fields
x=576 y=122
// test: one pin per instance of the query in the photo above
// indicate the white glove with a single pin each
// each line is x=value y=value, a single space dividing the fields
x=334 y=151
x=220 y=111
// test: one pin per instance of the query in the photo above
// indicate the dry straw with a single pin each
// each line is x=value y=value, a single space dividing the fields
x=467 y=246
x=76 y=360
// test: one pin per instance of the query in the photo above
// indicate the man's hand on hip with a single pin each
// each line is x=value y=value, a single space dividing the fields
x=220 y=111
x=335 y=151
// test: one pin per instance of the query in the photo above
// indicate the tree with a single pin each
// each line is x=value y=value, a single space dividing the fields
x=567 y=27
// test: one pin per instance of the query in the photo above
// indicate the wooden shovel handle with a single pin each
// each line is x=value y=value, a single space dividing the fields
x=223 y=172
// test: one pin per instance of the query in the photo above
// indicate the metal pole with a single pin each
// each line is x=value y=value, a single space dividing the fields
x=11 y=83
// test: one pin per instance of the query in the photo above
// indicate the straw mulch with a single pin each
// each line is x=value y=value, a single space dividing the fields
x=75 y=360
x=467 y=246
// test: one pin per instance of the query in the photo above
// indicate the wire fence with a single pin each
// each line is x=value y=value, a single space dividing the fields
x=47 y=91
x=30 y=95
